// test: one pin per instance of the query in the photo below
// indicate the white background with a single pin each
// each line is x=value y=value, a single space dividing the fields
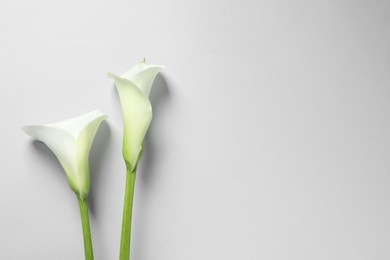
x=270 y=138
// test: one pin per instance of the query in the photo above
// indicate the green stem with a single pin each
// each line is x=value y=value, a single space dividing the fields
x=127 y=213
x=86 y=229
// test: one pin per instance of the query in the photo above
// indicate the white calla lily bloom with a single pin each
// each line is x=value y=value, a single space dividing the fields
x=134 y=87
x=71 y=141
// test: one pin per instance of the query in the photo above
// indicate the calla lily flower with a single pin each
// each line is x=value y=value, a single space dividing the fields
x=134 y=87
x=71 y=141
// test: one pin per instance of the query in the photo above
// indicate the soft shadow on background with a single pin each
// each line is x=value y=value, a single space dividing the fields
x=49 y=158
x=159 y=97
x=96 y=159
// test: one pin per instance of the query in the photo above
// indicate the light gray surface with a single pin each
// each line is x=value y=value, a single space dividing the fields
x=270 y=137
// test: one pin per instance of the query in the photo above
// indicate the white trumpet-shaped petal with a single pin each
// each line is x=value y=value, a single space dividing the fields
x=71 y=141
x=133 y=88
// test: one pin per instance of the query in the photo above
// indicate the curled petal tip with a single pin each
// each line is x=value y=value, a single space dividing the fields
x=25 y=129
x=31 y=130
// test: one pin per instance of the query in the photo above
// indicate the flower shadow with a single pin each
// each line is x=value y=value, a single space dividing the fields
x=159 y=98
x=50 y=160
x=96 y=160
